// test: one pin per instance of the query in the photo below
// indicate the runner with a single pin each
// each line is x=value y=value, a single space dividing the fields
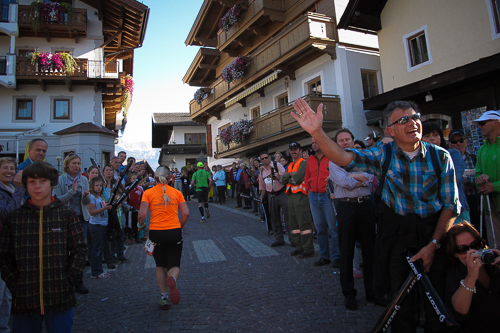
x=165 y=234
x=203 y=181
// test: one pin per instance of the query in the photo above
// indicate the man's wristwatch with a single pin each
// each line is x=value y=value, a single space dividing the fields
x=435 y=242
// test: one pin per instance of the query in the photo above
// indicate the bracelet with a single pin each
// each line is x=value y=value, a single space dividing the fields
x=467 y=288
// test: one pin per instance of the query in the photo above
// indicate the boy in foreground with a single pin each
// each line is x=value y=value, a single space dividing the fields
x=42 y=254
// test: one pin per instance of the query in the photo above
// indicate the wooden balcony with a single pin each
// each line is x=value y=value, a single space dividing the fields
x=252 y=23
x=278 y=126
x=75 y=29
x=25 y=70
x=308 y=38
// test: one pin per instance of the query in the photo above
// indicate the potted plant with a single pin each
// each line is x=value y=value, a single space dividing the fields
x=240 y=129
x=200 y=95
x=236 y=69
x=232 y=16
x=128 y=92
x=55 y=62
x=226 y=135
x=41 y=12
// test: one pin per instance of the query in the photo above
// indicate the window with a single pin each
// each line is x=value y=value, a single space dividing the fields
x=3 y=65
x=418 y=49
x=256 y=112
x=194 y=138
x=282 y=100
x=24 y=109
x=369 y=81
x=24 y=53
x=105 y=159
x=314 y=86
x=61 y=109
x=59 y=51
x=4 y=9
x=494 y=14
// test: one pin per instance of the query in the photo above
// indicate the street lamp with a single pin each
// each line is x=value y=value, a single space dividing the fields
x=59 y=159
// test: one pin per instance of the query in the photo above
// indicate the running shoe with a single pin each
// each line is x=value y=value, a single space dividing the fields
x=175 y=296
x=203 y=220
x=164 y=303
x=207 y=213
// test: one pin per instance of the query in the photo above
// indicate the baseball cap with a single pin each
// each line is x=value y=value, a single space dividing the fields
x=200 y=165
x=489 y=115
x=375 y=136
x=456 y=132
x=294 y=145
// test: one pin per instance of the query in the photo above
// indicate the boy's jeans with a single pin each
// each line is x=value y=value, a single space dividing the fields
x=58 y=322
x=5 y=303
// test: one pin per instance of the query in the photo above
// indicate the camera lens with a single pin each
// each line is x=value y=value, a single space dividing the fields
x=488 y=257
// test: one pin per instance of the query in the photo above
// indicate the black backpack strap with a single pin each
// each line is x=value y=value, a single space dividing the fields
x=385 y=167
x=435 y=165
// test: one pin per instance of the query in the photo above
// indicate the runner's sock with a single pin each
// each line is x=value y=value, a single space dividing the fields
x=206 y=205
x=201 y=211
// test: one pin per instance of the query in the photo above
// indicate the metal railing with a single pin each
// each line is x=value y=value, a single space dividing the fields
x=101 y=69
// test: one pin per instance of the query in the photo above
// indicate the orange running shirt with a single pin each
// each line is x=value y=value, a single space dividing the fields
x=163 y=218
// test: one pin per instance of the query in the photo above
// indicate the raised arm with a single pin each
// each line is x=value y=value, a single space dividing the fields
x=312 y=123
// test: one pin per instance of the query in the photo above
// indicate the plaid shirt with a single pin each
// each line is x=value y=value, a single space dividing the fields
x=41 y=275
x=471 y=181
x=411 y=186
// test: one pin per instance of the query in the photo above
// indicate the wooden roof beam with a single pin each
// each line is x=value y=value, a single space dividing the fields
x=206 y=41
x=120 y=26
x=110 y=39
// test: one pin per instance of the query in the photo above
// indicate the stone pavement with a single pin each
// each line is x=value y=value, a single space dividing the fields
x=231 y=281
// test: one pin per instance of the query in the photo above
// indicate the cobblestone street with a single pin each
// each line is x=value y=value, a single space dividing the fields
x=231 y=280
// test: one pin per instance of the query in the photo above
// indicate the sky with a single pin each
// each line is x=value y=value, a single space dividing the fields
x=159 y=66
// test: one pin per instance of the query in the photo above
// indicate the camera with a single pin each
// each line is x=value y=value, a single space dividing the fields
x=274 y=165
x=487 y=256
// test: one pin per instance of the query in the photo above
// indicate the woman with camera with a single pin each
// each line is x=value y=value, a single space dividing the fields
x=473 y=280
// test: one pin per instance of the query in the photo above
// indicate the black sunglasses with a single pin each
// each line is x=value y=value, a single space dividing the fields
x=475 y=245
x=461 y=140
x=264 y=158
x=405 y=119
x=482 y=123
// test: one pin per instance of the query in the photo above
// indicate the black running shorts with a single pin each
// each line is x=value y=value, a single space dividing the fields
x=168 y=249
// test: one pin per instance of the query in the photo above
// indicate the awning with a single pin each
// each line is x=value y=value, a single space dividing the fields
x=253 y=88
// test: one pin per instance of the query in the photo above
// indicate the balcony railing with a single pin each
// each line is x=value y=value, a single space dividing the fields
x=257 y=10
x=75 y=28
x=278 y=124
x=84 y=69
x=310 y=32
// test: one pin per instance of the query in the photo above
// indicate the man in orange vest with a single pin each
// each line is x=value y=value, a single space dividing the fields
x=299 y=212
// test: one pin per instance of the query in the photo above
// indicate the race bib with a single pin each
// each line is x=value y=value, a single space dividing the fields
x=268 y=181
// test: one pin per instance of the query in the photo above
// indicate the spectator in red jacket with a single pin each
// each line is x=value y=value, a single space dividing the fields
x=322 y=206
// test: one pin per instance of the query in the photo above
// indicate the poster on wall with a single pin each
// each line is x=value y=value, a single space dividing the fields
x=471 y=131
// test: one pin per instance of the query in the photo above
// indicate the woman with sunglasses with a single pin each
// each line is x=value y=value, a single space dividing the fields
x=432 y=133
x=472 y=287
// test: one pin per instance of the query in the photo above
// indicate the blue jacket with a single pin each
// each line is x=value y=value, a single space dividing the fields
x=9 y=202
x=238 y=175
x=220 y=178
x=23 y=165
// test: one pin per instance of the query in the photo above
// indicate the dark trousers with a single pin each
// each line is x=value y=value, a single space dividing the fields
x=396 y=235
x=221 y=192
x=135 y=231
x=185 y=192
x=246 y=193
x=474 y=203
x=276 y=204
x=234 y=190
x=356 y=222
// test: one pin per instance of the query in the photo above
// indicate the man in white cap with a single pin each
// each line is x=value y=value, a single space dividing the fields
x=372 y=138
x=488 y=170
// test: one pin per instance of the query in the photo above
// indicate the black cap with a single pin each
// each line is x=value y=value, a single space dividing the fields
x=455 y=132
x=294 y=145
